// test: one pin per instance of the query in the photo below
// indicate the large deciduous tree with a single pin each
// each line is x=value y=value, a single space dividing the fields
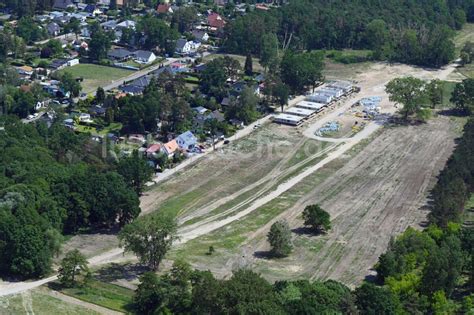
x=316 y=218
x=302 y=71
x=410 y=93
x=279 y=238
x=72 y=266
x=463 y=96
x=149 y=238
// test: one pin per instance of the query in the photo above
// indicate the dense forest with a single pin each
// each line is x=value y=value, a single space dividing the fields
x=52 y=181
x=417 y=32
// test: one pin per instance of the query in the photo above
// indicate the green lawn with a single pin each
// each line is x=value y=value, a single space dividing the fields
x=104 y=294
x=113 y=127
x=40 y=303
x=96 y=75
x=448 y=88
x=463 y=36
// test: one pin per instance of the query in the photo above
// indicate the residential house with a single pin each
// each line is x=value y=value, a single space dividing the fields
x=127 y=24
x=215 y=21
x=200 y=36
x=137 y=138
x=164 y=8
x=200 y=110
x=53 y=29
x=92 y=10
x=186 y=141
x=132 y=90
x=81 y=16
x=62 y=20
x=145 y=57
x=170 y=148
x=153 y=150
x=84 y=117
x=25 y=70
x=119 y=54
x=137 y=86
x=238 y=87
x=41 y=18
x=97 y=111
x=63 y=4
x=183 y=46
x=226 y=101
x=109 y=25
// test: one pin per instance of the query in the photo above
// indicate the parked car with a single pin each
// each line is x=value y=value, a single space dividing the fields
x=227 y=141
x=30 y=117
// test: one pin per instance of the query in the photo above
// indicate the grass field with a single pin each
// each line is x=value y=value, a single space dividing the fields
x=39 y=303
x=463 y=36
x=104 y=294
x=96 y=75
x=113 y=127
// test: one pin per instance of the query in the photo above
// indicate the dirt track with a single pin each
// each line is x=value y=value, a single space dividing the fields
x=373 y=197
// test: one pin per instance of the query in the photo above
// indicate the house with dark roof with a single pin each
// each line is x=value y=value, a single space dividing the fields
x=119 y=54
x=92 y=10
x=132 y=90
x=53 y=29
x=200 y=36
x=144 y=56
x=63 y=4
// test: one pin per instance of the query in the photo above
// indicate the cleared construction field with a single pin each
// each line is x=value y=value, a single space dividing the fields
x=373 y=193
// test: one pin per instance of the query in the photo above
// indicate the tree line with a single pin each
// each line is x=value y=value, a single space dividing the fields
x=54 y=182
x=412 y=32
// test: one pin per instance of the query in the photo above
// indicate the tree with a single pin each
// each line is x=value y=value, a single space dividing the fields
x=99 y=44
x=149 y=238
x=410 y=92
x=316 y=218
x=74 y=26
x=463 y=96
x=244 y=108
x=434 y=91
x=248 y=68
x=377 y=35
x=149 y=294
x=269 y=50
x=73 y=265
x=100 y=95
x=213 y=126
x=69 y=84
x=281 y=92
x=279 y=238
x=213 y=79
x=303 y=70
x=248 y=293
x=373 y=300
x=136 y=171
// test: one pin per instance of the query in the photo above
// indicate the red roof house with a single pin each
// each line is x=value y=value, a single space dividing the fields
x=215 y=20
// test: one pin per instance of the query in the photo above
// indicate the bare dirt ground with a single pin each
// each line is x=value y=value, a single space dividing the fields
x=376 y=195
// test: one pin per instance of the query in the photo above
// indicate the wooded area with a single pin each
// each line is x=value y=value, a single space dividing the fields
x=417 y=32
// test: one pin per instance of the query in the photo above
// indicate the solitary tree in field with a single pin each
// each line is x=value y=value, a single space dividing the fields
x=73 y=265
x=279 y=238
x=149 y=238
x=318 y=219
x=410 y=92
